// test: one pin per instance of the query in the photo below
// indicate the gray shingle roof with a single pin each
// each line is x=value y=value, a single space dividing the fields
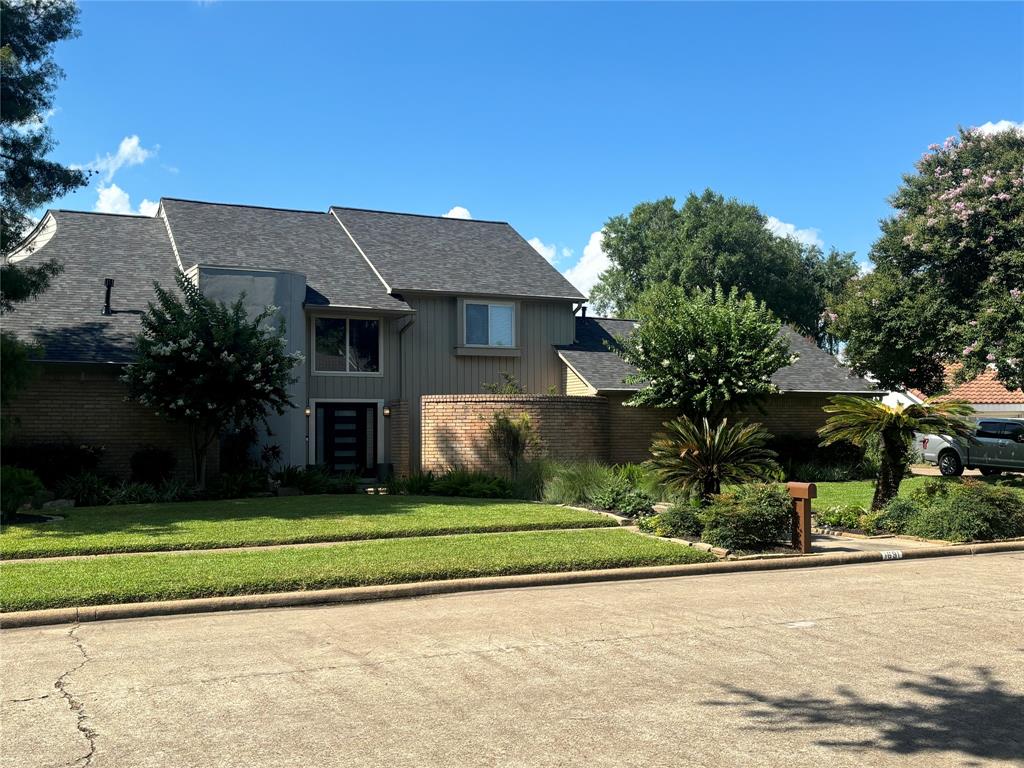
x=592 y=356
x=67 y=319
x=432 y=253
x=270 y=238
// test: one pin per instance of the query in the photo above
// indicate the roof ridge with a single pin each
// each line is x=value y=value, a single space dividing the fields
x=245 y=205
x=602 y=317
x=103 y=213
x=419 y=215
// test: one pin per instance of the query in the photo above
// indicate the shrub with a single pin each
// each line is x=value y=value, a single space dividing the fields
x=462 y=482
x=620 y=495
x=346 y=483
x=238 y=485
x=682 y=519
x=511 y=438
x=152 y=465
x=750 y=517
x=86 y=489
x=133 y=493
x=576 y=482
x=966 y=511
x=17 y=487
x=420 y=483
x=839 y=516
x=529 y=483
x=54 y=462
x=174 y=490
x=897 y=514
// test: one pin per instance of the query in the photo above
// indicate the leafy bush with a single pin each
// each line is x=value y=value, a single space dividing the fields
x=346 y=483
x=576 y=483
x=133 y=493
x=420 y=483
x=55 y=461
x=897 y=514
x=750 y=517
x=620 y=495
x=682 y=519
x=152 y=465
x=18 y=487
x=462 y=482
x=174 y=490
x=966 y=511
x=239 y=485
x=839 y=516
x=86 y=489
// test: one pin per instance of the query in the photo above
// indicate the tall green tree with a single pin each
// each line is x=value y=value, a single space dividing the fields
x=711 y=241
x=703 y=352
x=948 y=283
x=28 y=79
x=208 y=365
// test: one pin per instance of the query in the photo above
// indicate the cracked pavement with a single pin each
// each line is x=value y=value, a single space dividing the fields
x=908 y=663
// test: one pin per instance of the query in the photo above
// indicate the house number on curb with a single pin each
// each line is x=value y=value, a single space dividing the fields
x=892 y=554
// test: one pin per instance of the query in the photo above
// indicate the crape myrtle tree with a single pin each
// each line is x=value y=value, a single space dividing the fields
x=948 y=282
x=709 y=241
x=209 y=365
x=28 y=79
x=703 y=352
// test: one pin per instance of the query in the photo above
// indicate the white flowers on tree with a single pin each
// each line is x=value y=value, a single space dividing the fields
x=208 y=365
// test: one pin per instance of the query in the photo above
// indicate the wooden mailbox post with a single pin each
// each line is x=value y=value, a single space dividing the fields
x=802 y=493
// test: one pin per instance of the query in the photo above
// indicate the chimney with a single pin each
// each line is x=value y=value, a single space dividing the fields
x=109 y=283
x=583 y=311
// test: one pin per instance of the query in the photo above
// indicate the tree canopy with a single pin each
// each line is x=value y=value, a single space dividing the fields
x=703 y=351
x=948 y=283
x=711 y=241
x=209 y=365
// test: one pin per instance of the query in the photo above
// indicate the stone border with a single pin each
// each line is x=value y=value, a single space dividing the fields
x=419 y=589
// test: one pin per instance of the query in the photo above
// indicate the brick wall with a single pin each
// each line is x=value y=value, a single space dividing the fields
x=399 y=427
x=454 y=428
x=631 y=430
x=87 y=404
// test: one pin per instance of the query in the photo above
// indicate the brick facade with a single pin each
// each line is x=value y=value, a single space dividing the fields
x=87 y=404
x=454 y=428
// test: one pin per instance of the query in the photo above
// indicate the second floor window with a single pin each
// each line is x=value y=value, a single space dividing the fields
x=490 y=324
x=346 y=345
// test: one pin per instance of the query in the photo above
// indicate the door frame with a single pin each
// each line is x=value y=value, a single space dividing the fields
x=311 y=424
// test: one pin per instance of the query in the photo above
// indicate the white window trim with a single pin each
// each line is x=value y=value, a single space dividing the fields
x=311 y=424
x=490 y=303
x=380 y=346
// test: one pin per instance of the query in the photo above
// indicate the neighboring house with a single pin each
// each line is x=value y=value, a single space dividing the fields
x=593 y=367
x=984 y=392
x=386 y=307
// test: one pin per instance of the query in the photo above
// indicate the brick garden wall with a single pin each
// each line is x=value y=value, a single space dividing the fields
x=454 y=428
x=87 y=404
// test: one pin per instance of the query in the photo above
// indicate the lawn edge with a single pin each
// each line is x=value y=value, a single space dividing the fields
x=50 y=616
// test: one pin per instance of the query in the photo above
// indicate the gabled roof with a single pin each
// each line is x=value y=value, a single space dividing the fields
x=273 y=238
x=67 y=319
x=984 y=389
x=433 y=253
x=594 y=359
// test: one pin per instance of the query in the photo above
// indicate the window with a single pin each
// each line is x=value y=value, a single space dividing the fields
x=490 y=325
x=990 y=429
x=346 y=345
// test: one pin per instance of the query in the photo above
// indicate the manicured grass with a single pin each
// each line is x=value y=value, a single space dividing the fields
x=287 y=520
x=126 y=578
x=858 y=493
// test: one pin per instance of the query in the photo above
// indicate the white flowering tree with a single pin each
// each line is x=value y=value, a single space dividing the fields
x=949 y=269
x=703 y=352
x=209 y=365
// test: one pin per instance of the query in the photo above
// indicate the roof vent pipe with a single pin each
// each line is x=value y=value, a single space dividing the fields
x=109 y=283
x=583 y=311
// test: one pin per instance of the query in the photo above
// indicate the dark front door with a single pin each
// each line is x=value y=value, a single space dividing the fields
x=347 y=437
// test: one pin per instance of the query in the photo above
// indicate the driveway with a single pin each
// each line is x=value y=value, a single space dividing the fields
x=903 y=663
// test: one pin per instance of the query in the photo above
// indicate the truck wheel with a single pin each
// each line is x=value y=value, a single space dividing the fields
x=987 y=471
x=950 y=464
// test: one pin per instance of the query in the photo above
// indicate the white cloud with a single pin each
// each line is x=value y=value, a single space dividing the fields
x=781 y=228
x=458 y=212
x=585 y=272
x=112 y=199
x=568 y=253
x=129 y=152
x=990 y=128
x=545 y=250
x=35 y=122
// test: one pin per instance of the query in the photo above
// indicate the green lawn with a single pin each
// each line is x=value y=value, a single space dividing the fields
x=286 y=520
x=859 y=492
x=124 y=578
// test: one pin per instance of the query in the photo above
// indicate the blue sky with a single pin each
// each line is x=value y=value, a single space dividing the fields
x=550 y=116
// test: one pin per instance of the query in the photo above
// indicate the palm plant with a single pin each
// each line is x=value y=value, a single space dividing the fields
x=861 y=420
x=695 y=458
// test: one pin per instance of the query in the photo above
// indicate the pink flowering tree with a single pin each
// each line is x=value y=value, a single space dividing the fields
x=948 y=269
x=208 y=365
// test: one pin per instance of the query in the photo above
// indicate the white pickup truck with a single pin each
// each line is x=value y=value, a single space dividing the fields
x=999 y=448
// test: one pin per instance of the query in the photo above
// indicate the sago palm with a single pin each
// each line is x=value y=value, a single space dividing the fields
x=861 y=420
x=695 y=458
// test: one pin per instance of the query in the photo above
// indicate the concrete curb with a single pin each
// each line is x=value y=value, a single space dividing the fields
x=423 y=588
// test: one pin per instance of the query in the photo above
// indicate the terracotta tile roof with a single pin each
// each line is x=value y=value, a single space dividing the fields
x=984 y=389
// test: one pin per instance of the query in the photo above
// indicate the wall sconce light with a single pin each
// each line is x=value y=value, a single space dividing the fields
x=387 y=411
x=309 y=411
